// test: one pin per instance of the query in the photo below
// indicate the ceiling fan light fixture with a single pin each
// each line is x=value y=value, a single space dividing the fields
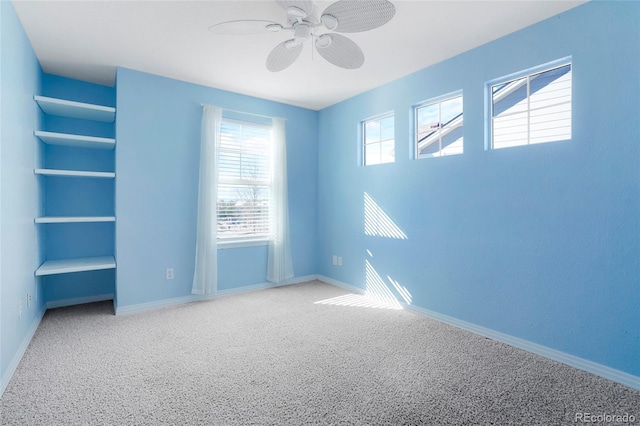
x=296 y=12
x=274 y=28
x=323 y=41
x=329 y=21
x=290 y=44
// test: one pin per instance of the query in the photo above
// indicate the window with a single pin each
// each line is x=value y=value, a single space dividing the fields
x=439 y=128
x=379 y=140
x=244 y=180
x=534 y=108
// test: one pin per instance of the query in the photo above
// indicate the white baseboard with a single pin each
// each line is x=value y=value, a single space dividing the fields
x=78 y=300
x=6 y=378
x=544 y=351
x=121 y=310
x=341 y=284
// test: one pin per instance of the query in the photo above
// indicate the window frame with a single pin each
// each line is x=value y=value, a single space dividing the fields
x=433 y=101
x=526 y=73
x=249 y=240
x=363 y=137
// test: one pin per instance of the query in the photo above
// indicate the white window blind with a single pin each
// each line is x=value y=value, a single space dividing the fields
x=244 y=180
x=533 y=109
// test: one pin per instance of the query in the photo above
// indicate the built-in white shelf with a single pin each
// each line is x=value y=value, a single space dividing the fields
x=75 y=219
x=74 y=173
x=72 y=109
x=79 y=141
x=65 y=266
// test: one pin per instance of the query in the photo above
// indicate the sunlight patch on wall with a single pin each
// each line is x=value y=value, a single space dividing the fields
x=358 y=300
x=376 y=288
x=404 y=293
x=377 y=294
x=377 y=223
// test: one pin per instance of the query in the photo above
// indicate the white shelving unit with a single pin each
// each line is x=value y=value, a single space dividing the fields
x=83 y=111
x=65 y=266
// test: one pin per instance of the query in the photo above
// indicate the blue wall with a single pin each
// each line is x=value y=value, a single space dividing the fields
x=20 y=80
x=157 y=152
x=538 y=242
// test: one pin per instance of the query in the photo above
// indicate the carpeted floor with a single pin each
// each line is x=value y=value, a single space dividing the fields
x=275 y=357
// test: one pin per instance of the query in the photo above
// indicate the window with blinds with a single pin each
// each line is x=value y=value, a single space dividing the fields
x=244 y=180
x=535 y=108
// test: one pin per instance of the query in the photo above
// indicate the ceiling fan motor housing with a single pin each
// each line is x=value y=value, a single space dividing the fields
x=301 y=30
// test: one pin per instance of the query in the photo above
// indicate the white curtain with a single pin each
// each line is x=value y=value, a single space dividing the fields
x=205 y=276
x=279 y=265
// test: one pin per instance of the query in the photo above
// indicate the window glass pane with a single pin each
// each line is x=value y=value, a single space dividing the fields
x=452 y=145
x=439 y=128
x=230 y=133
x=550 y=103
x=450 y=109
x=228 y=163
x=387 y=151
x=372 y=154
x=511 y=98
x=379 y=141
x=243 y=211
x=428 y=120
x=431 y=150
x=537 y=114
x=510 y=130
x=244 y=172
x=387 y=129
x=372 y=131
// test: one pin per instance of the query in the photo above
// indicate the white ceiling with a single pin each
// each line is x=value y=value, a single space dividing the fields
x=86 y=40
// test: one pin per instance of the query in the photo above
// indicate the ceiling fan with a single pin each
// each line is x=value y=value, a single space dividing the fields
x=343 y=16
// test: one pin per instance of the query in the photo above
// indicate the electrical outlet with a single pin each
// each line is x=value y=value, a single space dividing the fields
x=169 y=273
x=335 y=259
x=28 y=300
x=339 y=260
x=20 y=310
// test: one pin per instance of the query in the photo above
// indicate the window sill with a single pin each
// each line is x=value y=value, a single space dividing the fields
x=242 y=243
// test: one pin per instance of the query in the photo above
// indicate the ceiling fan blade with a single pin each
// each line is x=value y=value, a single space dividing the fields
x=306 y=6
x=342 y=52
x=282 y=56
x=356 y=16
x=245 y=27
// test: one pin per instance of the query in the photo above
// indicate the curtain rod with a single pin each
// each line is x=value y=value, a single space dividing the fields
x=248 y=113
